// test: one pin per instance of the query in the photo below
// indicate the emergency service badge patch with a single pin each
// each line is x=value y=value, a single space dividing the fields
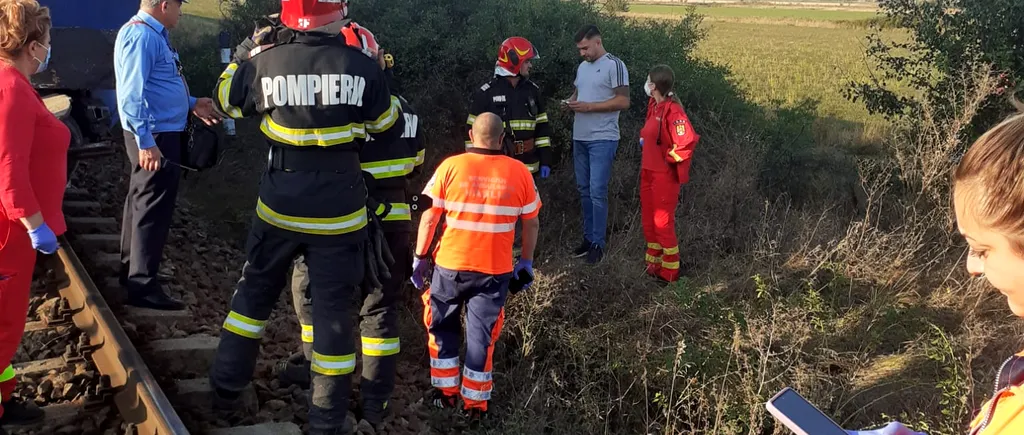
x=680 y=128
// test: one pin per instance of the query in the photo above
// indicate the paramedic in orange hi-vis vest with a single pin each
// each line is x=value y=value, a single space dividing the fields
x=667 y=140
x=481 y=194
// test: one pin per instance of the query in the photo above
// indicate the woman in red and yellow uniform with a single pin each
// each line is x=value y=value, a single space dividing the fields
x=667 y=139
x=33 y=172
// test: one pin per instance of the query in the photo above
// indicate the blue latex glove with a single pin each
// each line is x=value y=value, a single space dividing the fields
x=526 y=265
x=894 y=428
x=43 y=239
x=641 y=142
x=419 y=272
x=545 y=171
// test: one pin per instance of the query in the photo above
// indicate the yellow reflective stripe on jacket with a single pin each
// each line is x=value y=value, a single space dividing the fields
x=470 y=119
x=543 y=142
x=543 y=117
x=332 y=365
x=224 y=91
x=245 y=326
x=390 y=168
x=324 y=137
x=399 y=212
x=380 y=346
x=420 y=157
x=533 y=167
x=320 y=226
x=522 y=125
x=386 y=119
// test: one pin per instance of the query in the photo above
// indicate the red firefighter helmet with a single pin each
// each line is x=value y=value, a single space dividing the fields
x=361 y=38
x=310 y=14
x=512 y=54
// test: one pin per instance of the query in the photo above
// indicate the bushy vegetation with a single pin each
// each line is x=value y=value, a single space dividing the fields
x=950 y=38
x=805 y=266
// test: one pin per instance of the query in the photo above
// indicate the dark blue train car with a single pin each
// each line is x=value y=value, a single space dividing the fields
x=79 y=83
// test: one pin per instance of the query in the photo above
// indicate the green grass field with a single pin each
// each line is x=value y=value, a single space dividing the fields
x=789 y=65
x=737 y=12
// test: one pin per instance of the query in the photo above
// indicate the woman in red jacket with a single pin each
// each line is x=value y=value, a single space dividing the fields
x=33 y=165
x=667 y=140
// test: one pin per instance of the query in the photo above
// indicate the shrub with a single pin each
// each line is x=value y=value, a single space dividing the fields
x=613 y=6
x=948 y=38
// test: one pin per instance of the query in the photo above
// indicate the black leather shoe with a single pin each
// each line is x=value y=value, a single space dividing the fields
x=17 y=412
x=157 y=300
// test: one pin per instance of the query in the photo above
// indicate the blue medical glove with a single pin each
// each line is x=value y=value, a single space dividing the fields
x=419 y=271
x=641 y=142
x=545 y=171
x=526 y=265
x=894 y=428
x=43 y=239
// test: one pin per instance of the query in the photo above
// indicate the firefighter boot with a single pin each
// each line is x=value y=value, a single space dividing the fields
x=294 y=370
x=374 y=411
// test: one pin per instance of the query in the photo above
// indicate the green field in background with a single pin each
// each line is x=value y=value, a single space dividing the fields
x=738 y=12
x=788 y=65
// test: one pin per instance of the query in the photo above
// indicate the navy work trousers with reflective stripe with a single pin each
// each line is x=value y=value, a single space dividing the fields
x=335 y=273
x=378 y=317
x=484 y=297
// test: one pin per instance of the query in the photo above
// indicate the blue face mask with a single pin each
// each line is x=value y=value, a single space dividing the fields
x=43 y=63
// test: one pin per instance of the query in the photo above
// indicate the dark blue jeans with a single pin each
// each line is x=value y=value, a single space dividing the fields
x=593 y=163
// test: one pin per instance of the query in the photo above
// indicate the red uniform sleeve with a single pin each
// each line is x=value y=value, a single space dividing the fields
x=684 y=139
x=17 y=127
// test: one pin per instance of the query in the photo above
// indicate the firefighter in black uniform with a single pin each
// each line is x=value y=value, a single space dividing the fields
x=516 y=99
x=319 y=100
x=511 y=95
x=391 y=166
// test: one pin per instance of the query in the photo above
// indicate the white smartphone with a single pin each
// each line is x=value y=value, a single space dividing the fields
x=800 y=416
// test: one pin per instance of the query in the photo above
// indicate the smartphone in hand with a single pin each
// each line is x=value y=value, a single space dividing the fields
x=800 y=416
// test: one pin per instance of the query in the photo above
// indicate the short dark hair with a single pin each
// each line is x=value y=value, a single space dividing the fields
x=587 y=32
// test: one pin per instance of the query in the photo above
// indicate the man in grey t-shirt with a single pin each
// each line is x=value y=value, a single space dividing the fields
x=602 y=90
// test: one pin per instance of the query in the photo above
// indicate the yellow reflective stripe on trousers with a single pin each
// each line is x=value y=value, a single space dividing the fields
x=224 y=91
x=324 y=137
x=654 y=246
x=672 y=251
x=7 y=374
x=389 y=168
x=307 y=333
x=380 y=346
x=319 y=226
x=386 y=119
x=244 y=326
x=331 y=365
x=652 y=259
x=671 y=266
x=420 y=157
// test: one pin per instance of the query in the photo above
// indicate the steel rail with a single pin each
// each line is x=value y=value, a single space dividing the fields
x=139 y=398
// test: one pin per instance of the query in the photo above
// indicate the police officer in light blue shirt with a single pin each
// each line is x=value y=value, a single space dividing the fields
x=153 y=103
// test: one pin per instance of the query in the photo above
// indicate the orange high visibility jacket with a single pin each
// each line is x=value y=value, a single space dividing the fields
x=483 y=193
x=1003 y=414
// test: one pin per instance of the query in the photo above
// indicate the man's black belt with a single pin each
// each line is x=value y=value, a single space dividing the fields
x=313 y=160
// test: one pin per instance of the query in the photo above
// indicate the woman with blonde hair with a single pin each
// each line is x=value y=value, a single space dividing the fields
x=667 y=140
x=33 y=172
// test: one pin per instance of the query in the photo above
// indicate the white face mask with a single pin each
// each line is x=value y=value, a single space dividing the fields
x=648 y=85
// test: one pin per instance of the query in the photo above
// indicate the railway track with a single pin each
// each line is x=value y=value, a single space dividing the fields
x=93 y=379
